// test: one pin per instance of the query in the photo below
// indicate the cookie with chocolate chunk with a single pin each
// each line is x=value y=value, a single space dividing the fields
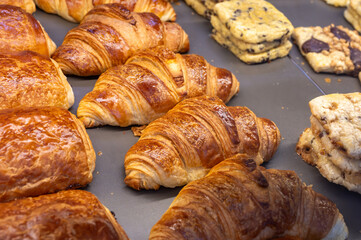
x=254 y=30
x=253 y=21
x=340 y=117
x=353 y=14
x=337 y=3
x=219 y=28
x=333 y=142
x=203 y=7
x=333 y=49
x=311 y=150
x=253 y=58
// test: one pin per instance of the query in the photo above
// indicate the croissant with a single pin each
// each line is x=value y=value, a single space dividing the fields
x=150 y=84
x=42 y=150
x=109 y=34
x=240 y=200
x=21 y=31
x=71 y=214
x=75 y=11
x=29 y=79
x=194 y=136
x=27 y=5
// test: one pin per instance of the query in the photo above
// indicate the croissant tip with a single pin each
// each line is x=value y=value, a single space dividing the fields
x=138 y=183
x=132 y=182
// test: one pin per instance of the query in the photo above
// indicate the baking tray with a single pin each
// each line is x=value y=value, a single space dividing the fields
x=279 y=90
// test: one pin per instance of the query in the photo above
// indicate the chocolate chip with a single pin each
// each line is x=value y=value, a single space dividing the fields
x=314 y=45
x=355 y=56
x=265 y=9
x=340 y=34
x=321 y=134
x=237 y=13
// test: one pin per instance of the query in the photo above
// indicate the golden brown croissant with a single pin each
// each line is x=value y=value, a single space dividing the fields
x=42 y=150
x=21 y=31
x=194 y=136
x=29 y=79
x=240 y=200
x=150 y=84
x=27 y=5
x=71 y=214
x=109 y=34
x=75 y=11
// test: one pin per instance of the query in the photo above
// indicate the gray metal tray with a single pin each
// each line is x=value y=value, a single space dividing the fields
x=279 y=90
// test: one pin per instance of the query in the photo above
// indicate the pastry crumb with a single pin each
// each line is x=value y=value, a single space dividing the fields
x=328 y=80
x=100 y=153
x=177 y=3
x=282 y=108
x=112 y=193
x=97 y=172
x=339 y=80
x=302 y=63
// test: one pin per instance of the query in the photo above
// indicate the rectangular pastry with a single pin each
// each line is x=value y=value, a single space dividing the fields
x=42 y=150
x=71 y=214
x=28 y=79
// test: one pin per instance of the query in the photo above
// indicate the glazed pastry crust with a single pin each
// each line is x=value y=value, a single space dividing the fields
x=75 y=11
x=109 y=34
x=43 y=150
x=190 y=139
x=71 y=214
x=240 y=200
x=29 y=79
x=150 y=84
x=27 y=5
x=22 y=31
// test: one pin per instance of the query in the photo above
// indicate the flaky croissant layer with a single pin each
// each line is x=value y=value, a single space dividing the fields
x=190 y=139
x=109 y=34
x=151 y=83
x=240 y=200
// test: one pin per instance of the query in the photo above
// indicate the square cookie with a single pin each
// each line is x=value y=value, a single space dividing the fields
x=253 y=21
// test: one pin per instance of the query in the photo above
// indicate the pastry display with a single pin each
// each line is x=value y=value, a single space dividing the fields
x=21 y=31
x=46 y=152
x=240 y=200
x=75 y=11
x=71 y=214
x=149 y=84
x=27 y=5
x=337 y=3
x=28 y=79
x=190 y=139
x=333 y=49
x=333 y=142
x=254 y=30
x=353 y=13
x=42 y=150
x=109 y=34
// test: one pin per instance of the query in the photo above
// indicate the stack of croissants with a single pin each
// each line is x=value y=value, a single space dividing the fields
x=188 y=136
